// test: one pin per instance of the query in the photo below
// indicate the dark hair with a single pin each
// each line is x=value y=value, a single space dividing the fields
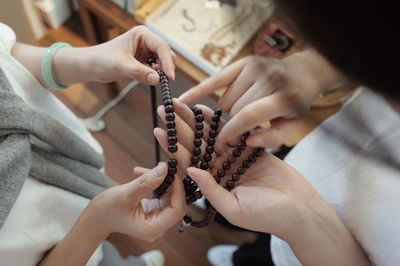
x=359 y=37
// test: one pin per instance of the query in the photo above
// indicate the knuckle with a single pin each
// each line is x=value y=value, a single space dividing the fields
x=163 y=47
x=277 y=75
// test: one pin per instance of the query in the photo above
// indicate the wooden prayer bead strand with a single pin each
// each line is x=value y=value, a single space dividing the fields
x=171 y=130
x=210 y=215
x=190 y=186
x=207 y=157
x=241 y=170
x=213 y=133
x=236 y=152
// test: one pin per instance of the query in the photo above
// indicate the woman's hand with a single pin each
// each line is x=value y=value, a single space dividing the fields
x=121 y=209
x=271 y=197
x=260 y=89
x=123 y=57
x=125 y=208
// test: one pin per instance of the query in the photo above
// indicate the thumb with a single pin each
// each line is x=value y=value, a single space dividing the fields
x=147 y=182
x=221 y=199
x=138 y=71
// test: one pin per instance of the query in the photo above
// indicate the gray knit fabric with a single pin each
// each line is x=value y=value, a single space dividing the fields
x=34 y=144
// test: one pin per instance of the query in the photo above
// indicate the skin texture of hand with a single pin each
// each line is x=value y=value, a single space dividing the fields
x=122 y=57
x=125 y=208
x=122 y=209
x=271 y=197
x=260 y=89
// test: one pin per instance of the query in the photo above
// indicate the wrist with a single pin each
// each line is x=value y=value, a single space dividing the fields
x=322 y=232
x=69 y=66
x=90 y=221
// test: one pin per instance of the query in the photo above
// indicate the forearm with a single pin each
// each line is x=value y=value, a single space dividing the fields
x=324 y=240
x=67 y=66
x=77 y=246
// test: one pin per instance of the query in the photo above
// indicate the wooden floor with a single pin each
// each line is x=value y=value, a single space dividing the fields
x=128 y=142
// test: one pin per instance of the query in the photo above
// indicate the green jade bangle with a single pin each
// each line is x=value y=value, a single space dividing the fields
x=46 y=67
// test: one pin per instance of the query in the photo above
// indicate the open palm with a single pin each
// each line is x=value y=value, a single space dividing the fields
x=270 y=197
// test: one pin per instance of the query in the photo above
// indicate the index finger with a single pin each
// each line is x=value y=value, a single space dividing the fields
x=251 y=116
x=163 y=51
x=214 y=83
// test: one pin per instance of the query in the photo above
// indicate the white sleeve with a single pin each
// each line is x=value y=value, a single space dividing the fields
x=7 y=38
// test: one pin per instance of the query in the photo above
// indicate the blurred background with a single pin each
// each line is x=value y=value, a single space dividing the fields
x=207 y=35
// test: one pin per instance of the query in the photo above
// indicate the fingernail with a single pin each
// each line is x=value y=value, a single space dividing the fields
x=152 y=79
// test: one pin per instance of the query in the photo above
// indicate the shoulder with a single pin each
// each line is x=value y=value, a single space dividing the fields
x=7 y=38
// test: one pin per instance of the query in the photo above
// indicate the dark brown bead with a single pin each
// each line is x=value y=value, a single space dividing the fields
x=213 y=133
x=220 y=173
x=241 y=145
x=246 y=164
x=192 y=198
x=218 y=112
x=172 y=170
x=172 y=148
x=204 y=165
x=169 y=109
x=236 y=152
x=214 y=125
x=230 y=184
x=196 y=151
x=170 y=117
x=172 y=140
x=169 y=179
x=168 y=102
x=195 y=159
x=252 y=158
x=187 y=218
x=197 y=142
x=226 y=165
x=172 y=163
x=198 y=134
x=199 y=118
x=170 y=124
x=207 y=157
x=258 y=151
x=198 y=194
x=216 y=118
x=211 y=141
x=235 y=177
x=210 y=149
x=197 y=111
x=240 y=170
x=171 y=132
x=246 y=134
x=231 y=159
x=199 y=126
